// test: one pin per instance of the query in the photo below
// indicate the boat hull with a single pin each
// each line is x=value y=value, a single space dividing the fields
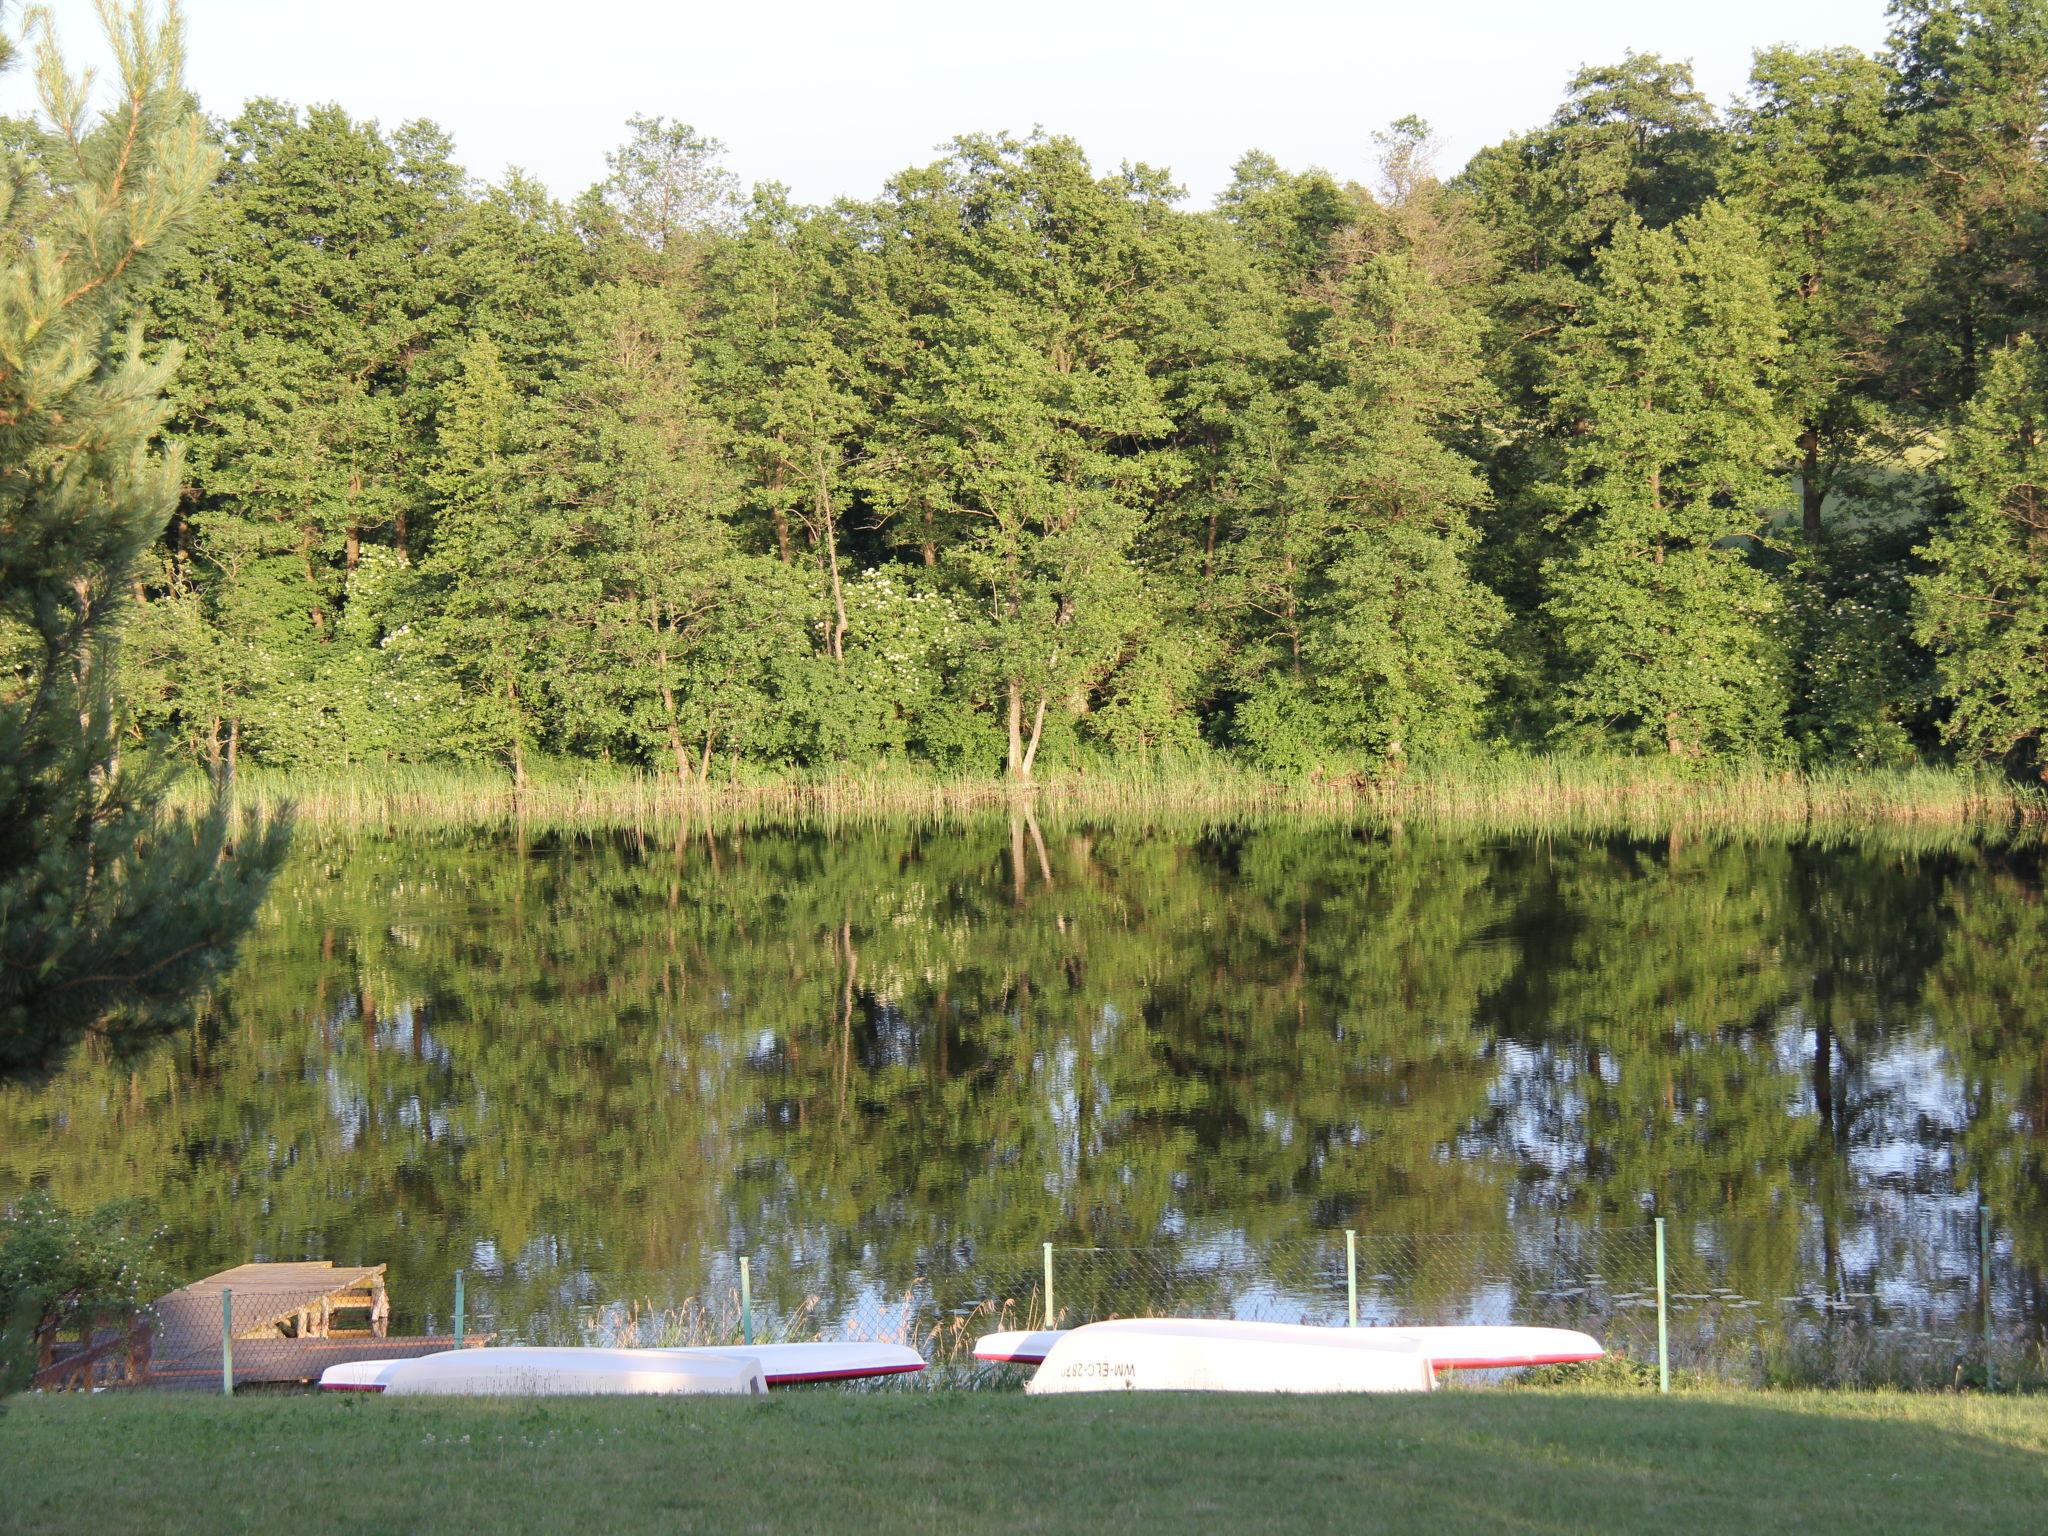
x=782 y=1365
x=1175 y=1355
x=519 y=1372
x=1467 y=1347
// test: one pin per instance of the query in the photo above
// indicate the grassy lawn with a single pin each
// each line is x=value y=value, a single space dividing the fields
x=965 y=1462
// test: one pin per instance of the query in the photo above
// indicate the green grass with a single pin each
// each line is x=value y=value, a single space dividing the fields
x=1523 y=1461
x=1505 y=793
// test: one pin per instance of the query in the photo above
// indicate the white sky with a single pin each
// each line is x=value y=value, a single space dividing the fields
x=831 y=98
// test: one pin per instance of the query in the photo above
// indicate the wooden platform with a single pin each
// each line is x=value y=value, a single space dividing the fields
x=282 y=1329
x=296 y=1301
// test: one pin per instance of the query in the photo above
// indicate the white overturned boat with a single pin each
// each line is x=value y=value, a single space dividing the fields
x=523 y=1372
x=518 y=1372
x=1474 y=1347
x=1164 y=1354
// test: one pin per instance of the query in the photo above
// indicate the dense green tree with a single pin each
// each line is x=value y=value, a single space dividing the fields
x=315 y=302
x=110 y=914
x=1034 y=409
x=1983 y=604
x=496 y=574
x=677 y=659
x=1633 y=142
x=1401 y=654
x=1969 y=80
x=1665 y=391
x=1810 y=166
x=1027 y=465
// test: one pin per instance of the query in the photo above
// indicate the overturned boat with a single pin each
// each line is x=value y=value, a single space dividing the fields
x=1190 y=1355
x=1213 y=1348
x=532 y=1372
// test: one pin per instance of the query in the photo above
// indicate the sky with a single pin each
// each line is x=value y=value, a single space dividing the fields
x=831 y=99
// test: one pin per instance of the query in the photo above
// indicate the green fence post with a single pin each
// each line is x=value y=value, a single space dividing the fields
x=458 y=1309
x=1663 y=1324
x=746 y=1302
x=227 y=1342
x=1984 y=1290
x=1051 y=1317
x=1351 y=1275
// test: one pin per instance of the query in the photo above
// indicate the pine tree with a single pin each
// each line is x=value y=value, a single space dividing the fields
x=1664 y=393
x=110 y=914
x=678 y=637
x=1983 y=605
x=494 y=572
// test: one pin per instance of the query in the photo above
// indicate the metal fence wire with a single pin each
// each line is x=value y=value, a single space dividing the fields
x=1939 y=1299
x=1731 y=1303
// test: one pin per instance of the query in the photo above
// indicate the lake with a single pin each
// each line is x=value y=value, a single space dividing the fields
x=593 y=1070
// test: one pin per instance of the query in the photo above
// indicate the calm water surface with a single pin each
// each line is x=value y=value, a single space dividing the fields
x=572 y=1063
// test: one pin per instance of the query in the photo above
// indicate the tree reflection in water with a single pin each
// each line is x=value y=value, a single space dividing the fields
x=876 y=1052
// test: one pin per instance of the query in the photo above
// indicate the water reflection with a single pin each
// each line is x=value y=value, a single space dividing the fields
x=877 y=1053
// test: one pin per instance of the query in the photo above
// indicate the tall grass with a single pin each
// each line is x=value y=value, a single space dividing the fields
x=1507 y=793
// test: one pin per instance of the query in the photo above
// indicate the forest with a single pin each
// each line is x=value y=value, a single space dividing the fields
x=1659 y=430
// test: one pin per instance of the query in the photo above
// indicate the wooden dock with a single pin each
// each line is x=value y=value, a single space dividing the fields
x=284 y=1328
x=292 y=1301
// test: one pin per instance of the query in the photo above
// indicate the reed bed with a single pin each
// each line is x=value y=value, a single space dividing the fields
x=1508 y=794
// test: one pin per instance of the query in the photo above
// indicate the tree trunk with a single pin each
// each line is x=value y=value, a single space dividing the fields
x=518 y=738
x=1037 y=729
x=1810 y=493
x=1017 y=861
x=1824 y=1065
x=1015 y=762
x=775 y=513
x=1038 y=845
x=1293 y=618
x=825 y=516
x=676 y=746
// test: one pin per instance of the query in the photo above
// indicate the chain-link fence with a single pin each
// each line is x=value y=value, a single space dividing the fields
x=1941 y=1300
x=1741 y=1303
x=1764 y=1303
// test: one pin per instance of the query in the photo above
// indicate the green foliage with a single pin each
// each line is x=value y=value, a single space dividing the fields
x=1966 y=95
x=1666 y=382
x=1328 y=476
x=1983 y=605
x=56 y=1267
x=109 y=915
x=1862 y=690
